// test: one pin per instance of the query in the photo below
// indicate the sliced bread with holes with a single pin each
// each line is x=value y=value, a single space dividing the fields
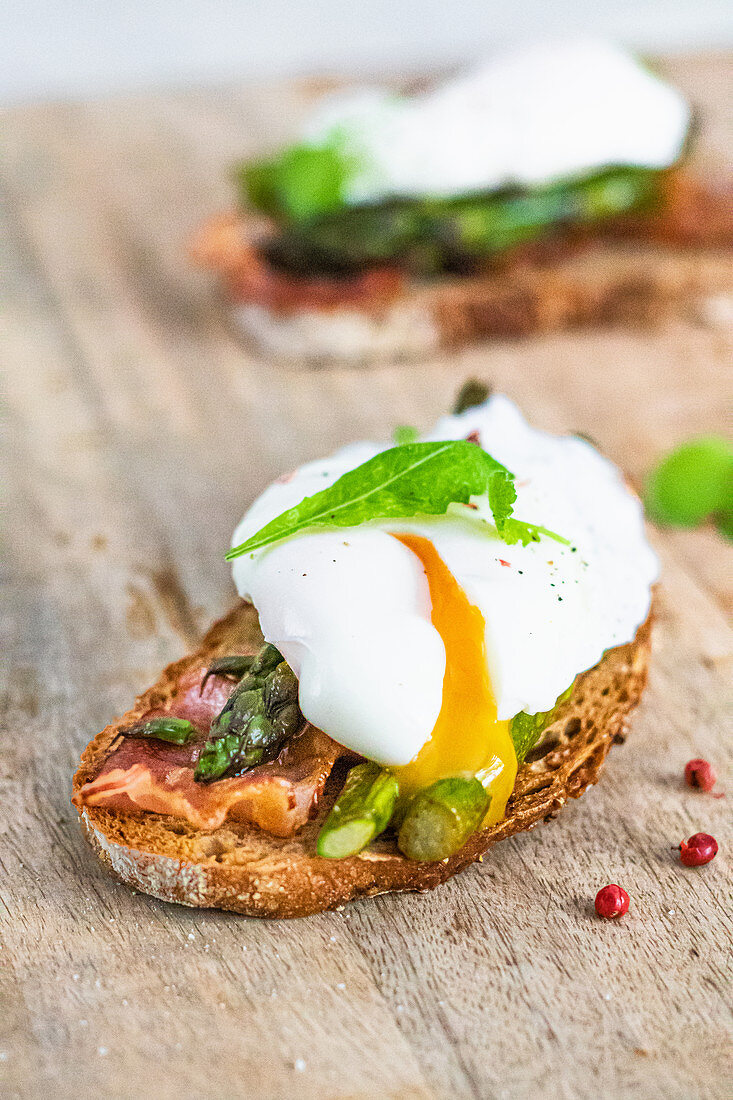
x=226 y=860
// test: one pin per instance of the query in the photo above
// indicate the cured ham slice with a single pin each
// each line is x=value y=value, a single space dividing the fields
x=222 y=245
x=155 y=777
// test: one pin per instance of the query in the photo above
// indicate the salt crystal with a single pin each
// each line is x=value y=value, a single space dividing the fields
x=300 y=1064
x=102 y=1051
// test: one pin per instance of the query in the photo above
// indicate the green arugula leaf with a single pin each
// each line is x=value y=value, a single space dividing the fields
x=411 y=480
x=502 y=495
x=516 y=530
x=525 y=729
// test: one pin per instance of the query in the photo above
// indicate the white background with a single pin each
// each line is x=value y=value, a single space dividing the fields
x=57 y=48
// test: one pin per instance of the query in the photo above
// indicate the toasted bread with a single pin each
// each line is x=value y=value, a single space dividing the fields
x=634 y=271
x=240 y=868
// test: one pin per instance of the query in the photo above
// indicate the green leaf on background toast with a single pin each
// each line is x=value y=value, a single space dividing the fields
x=411 y=480
x=298 y=184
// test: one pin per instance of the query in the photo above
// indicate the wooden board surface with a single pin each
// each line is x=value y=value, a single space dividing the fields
x=138 y=430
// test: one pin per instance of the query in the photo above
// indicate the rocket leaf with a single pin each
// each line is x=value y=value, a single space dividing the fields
x=416 y=479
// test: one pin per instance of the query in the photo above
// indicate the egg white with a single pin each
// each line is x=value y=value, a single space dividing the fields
x=349 y=608
x=530 y=115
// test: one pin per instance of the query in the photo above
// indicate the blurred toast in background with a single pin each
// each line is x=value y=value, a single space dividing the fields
x=609 y=216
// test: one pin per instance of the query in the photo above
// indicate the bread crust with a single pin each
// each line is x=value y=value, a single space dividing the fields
x=239 y=868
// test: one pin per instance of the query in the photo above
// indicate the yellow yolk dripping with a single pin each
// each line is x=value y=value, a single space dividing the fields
x=467 y=739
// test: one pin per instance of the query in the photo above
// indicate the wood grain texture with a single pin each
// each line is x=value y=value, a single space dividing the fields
x=137 y=430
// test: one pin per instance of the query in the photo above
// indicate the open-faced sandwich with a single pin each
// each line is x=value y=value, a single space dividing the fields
x=500 y=203
x=437 y=643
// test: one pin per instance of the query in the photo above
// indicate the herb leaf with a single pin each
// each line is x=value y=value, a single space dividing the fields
x=516 y=530
x=502 y=495
x=414 y=479
x=300 y=183
x=525 y=729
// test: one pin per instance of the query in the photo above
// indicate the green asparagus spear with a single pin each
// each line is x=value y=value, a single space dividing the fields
x=440 y=819
x=232 y=666
x=259 y=716
x=217 y=757
x=472 y=392
x=267 y=658
x=241 y=737
x=362 y=811
x=429 y=235
x=280 y=687
x=177 y=731
x=236 y=666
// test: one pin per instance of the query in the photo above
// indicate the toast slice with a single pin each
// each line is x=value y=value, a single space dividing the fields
x=635 y=271
x=238 y=867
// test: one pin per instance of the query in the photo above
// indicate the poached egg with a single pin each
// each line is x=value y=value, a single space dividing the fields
x=415 y=642
x=529 y=116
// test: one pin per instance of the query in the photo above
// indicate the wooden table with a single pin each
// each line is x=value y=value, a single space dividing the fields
x=138 y=431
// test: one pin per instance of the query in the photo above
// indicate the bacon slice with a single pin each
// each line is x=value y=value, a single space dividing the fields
x=156 y=777
x=278 y=797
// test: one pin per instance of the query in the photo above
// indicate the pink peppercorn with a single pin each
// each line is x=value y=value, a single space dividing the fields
x=698 y=773
x=612 y=902
x=699 y=849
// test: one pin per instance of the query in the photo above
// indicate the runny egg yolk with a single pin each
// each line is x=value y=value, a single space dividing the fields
x=467 y=738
